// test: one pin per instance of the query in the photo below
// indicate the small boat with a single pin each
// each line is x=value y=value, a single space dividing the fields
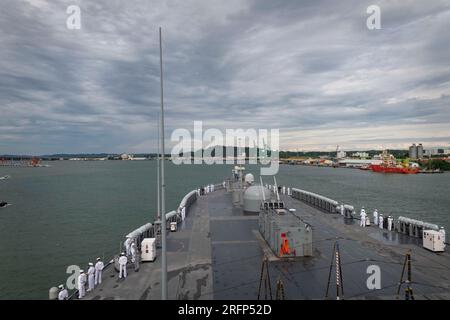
x=4 y=204
x=5 y=177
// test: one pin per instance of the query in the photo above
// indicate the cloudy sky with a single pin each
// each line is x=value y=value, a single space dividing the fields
x=310 y=68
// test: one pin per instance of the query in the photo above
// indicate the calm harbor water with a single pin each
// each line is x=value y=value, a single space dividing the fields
x=73 y=211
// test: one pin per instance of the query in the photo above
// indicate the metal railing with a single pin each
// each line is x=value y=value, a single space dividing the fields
x=148 y=230
x=414 y=228
x=316 y=200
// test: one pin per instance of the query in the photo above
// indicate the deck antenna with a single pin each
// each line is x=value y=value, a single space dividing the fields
x=163 y=186
x=276 y=188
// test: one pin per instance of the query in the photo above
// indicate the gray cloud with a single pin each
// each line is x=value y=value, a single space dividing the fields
x=310 y=68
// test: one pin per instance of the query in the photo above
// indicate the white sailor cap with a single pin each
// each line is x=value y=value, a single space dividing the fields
x=98 y=259
x=90 y=263
x=81 y=271
x=122 y=254
x=61 y=286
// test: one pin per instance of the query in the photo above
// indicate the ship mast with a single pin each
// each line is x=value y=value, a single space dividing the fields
x=163 y=186
x=158 y=172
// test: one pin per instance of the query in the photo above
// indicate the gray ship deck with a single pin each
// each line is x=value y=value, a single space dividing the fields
x=217 y=254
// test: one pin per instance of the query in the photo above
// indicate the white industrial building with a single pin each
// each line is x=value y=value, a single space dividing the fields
x=362 y=155
x=358 y=162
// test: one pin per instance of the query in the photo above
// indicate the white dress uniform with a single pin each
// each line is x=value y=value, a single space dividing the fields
x=390 y=220
x=123 y=266
x=81 y=284
x=380 y=221
x=375 y=217
x=98 y=272
x=91 y=276
x=363 y=218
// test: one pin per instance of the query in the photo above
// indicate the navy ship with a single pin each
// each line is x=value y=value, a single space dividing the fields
x=239 y=239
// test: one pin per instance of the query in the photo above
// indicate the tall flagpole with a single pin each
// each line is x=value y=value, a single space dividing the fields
x=163 y=186
x=158 y=177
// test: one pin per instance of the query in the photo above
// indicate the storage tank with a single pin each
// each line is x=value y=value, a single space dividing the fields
x=253 y=197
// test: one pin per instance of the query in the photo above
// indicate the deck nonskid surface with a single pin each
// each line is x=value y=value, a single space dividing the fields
x=216 y=254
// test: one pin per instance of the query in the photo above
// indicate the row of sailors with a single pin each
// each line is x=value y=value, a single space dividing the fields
x=379 y=220
x=204 y=190
x=94 y=273
x=93 y=277
x=281 y=189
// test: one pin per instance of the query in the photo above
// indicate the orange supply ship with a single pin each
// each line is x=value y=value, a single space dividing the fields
x=389 y=165
x=386 y=169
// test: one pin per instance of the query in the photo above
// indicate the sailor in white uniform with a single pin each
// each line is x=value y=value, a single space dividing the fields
x=390 y=220
x=123 y=265
x=91 y=277
x=363 y=216
x=375 y=217
x=212 y=188
x=342 y=209
x=98 y=271
x=81 y=284
x=362 y=212
x=63 y=294
x=284 y=190
x=289 y=191
x=380 y=221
